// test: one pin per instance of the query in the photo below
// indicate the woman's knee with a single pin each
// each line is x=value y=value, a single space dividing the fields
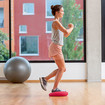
x=63 y=69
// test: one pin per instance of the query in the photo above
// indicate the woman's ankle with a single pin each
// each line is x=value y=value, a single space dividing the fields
x=46 y=78
x=54 y=88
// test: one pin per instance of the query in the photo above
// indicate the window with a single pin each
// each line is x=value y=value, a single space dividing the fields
x=31 y=34
x=1 y=17
x=22 y=29
x=4 y=33
x=48 y=7
x=28 y=9
x=48 y=26
x=29 y=45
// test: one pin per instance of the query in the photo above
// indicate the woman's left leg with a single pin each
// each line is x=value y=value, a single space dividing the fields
x=51 y=75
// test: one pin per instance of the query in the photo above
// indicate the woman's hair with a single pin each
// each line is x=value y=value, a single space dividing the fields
x=55 y=8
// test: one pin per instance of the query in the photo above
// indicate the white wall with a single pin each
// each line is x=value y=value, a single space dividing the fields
x=93 y=42
x=74 y=70
x=1 y=70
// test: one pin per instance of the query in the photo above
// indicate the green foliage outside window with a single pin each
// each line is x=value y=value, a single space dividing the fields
x=72 y=48
x=4 y=52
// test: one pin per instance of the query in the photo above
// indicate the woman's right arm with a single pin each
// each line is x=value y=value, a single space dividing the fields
x=59 y=26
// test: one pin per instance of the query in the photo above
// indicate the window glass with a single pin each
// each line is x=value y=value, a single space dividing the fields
x=48 y=6
x=48 y=26
x=22 y=29
x=29 y=45
x=4 y=30
x=31 y=34
x=28 y=8
x=1 y=17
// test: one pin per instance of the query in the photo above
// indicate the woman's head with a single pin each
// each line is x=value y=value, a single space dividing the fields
x=57 y=10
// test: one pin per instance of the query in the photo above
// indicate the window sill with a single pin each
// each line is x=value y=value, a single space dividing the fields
x=22 y=32
x=28 y=14
x=29 y=54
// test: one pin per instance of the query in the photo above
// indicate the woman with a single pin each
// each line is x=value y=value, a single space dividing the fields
x=55 y=48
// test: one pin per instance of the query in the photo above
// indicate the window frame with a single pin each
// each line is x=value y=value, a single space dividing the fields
x=47 y=61
x=21 y=32
x=28 y=13
x=46 y=11
x=20 y=46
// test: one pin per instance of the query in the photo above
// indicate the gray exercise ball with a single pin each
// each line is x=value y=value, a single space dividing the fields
x=17 y=70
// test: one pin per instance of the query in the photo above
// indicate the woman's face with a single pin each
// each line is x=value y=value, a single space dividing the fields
x=60 y=13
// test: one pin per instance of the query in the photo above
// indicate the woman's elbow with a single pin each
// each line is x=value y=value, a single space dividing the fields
x=66 y=33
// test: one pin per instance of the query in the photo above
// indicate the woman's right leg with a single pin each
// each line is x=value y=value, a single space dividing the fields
x=59 y=60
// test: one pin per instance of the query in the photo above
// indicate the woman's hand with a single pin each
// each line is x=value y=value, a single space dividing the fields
x=70 y=25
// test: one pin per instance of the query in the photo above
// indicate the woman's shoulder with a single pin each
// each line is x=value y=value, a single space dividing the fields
x=55 y=23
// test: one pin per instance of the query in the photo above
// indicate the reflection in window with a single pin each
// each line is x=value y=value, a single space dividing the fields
x=29 y=45
x=48 y=26
x=80 y=36
x=81 y=15
x=28 y=9
x=1 y=17
x=22 y=29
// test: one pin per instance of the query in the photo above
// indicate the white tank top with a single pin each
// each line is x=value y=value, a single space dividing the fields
x=57 y=36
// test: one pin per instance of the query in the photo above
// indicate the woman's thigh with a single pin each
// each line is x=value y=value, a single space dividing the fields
x=59 y=60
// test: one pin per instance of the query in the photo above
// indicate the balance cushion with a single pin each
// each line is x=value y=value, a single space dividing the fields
x=61 y=93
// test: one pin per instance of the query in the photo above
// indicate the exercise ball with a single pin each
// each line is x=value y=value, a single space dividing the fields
x=17 y=69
